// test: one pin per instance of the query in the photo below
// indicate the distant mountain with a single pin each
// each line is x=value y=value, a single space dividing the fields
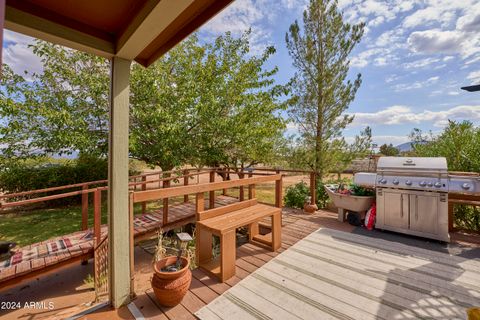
x=407 y=146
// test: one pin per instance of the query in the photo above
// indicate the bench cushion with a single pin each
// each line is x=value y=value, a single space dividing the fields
x=238 y=218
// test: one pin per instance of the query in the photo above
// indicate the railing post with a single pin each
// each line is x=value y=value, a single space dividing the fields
x=144 y=187
x=211 y=197
x=313 y=188
x=199 y=203
x=450 y=217
x=225 y=176
x=278 y=193
x=185 y=183
x=251 y=188
x=132 y=244
x=241 y=175
x=84 y=208
x=279 y=198
x=166 y=184
x=97 y=215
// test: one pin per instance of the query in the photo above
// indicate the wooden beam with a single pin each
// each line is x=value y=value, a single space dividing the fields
x=149 y=23
x=45 y=29
x=150 y=195
x=118 y=207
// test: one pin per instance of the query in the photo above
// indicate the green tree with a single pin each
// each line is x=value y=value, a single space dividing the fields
x=459 y=143
x=321 y=94
x=389 y=150
x=61 y=110
x=241 y=124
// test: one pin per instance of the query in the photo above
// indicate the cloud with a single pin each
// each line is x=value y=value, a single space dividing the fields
x=422 y=63
x=244 y=15
x=18 y=55
x=474 y=76
x=415 y=85
x=398 y=115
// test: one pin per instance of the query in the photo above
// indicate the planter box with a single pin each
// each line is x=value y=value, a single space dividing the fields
x=348 y=202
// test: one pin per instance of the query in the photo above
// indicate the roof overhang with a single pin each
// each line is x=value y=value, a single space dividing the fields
x=140 y=30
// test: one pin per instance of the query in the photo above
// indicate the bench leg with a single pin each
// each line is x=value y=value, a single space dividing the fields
x=276 y=231
x=253 y=230
x=341 y=214
x=228 y=250
x=203 y=246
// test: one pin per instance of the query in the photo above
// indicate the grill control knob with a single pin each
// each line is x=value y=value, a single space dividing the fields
x=430 y=183
x=422 y=183
x=383 y=181
x=466 y=186
x=395 y=181
x=408 y=183
x=437 y=184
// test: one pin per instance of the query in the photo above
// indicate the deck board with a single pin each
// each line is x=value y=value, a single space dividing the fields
x=340 y=275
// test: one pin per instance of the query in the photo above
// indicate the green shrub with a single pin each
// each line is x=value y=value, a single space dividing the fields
x=467 y=217
x=296 y=195
x=47 y=173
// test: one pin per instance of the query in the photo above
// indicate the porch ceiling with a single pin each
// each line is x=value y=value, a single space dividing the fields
x=140 y=30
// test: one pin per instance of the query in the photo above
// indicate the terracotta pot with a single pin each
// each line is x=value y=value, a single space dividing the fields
x=310 y=208
x=171 y=287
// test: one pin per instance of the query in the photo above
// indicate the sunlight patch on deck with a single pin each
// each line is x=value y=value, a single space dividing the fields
x=337 y=275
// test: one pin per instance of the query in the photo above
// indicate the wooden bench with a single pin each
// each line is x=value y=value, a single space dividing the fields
x=223 y=222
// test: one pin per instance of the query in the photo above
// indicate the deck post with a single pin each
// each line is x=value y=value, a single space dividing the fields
x=241 y=175
x=211 y=197
x=144 y=187
x=279 y=198
x=166 y=184
x=97 y=215
x=313 y=188
x=118 y=208
x=185 y=183
x=84 y=207
x=251 y=188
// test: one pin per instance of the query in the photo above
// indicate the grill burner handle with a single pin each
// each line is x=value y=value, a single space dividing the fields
x=408 y=183
x=422 y=183
x=437 y=184
x=395 y=181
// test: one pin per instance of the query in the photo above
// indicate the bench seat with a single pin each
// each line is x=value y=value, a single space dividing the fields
x=223 y=222
x=238 y=218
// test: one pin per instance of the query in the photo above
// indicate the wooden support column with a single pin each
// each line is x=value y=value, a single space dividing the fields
x=118 y=208
x=241 y=175
x=211 y=196
x=84 y=208
x=185 y=183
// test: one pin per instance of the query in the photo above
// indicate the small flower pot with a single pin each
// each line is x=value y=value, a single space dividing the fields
x=310 y=208
x=171 y=287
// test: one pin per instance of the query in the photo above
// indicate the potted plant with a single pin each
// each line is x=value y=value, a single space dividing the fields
x=172 y=276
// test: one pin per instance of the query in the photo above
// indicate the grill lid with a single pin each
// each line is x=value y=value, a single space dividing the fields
x=412 y=164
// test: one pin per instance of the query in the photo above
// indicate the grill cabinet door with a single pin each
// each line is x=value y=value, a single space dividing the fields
x=396 y=209
x=423 y=213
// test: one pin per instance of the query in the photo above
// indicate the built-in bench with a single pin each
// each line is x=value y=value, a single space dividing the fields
x=223 y=223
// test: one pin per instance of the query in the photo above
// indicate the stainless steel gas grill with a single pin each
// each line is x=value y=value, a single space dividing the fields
x=412 y=194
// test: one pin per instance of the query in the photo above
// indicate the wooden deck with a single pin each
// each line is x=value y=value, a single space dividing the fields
x=204 y=288
x=47 y=256
x=336 y=275
x=388 y=279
